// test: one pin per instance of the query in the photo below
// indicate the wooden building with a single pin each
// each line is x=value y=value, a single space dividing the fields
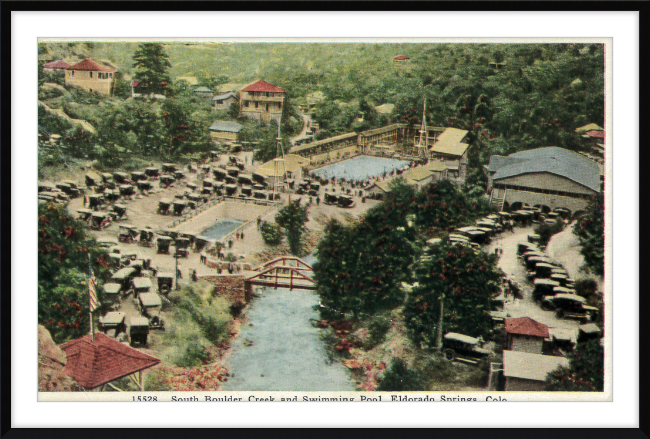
x=551 y=176
x=90 y=76
x=202 y=92
x=449 y=148
x=56 y=66
x=330 y=148
x=225 y=130
x=526 y=335
x=224 y=101
x=526 y=372
x=262 y=101
x=291 y=165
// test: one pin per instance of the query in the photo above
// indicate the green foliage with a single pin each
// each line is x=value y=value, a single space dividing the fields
x=230 y=257
x=399 y=378
x=590 y=230
x=194 y=355
x=377 y=330
x=441 y=206
x=360 y=268
x=65 y=251
x=271 y=233
x=585 y=373
x=546 y=231
x=586 y=287
x=152 y=65
x=466 y=280
x=292 y=218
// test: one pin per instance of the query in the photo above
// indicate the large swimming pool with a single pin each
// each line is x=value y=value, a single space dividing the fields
x=221 y=229
x=360 y=168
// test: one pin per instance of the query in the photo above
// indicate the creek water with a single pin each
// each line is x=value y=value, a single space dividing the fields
x=280 y=349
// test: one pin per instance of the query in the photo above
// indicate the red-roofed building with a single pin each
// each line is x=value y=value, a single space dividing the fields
x=57 y=65
x=596 y=134
x=401 y=58
x=90 y=76
x=262 y=101
x=95 y=363
x=526 y=335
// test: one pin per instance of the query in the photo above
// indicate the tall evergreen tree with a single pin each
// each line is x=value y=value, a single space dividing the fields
x=151 y=63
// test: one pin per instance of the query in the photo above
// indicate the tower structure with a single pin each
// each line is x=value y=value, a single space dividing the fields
x=280 y=170
x=422 y=148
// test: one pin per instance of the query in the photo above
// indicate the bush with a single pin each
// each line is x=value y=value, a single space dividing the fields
x=400 y=378
x=236 y=309
x=194 y=355
x=377 y=330
x=586 y=287
x=230 y=257
x=271 y=233
x=545 y=231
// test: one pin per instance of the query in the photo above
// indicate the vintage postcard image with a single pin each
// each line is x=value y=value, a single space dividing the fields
x=318 y=220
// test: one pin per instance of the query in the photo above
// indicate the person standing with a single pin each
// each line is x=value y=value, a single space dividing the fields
x=242 y=236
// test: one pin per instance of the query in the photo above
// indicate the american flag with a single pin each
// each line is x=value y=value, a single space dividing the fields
x=92 y=288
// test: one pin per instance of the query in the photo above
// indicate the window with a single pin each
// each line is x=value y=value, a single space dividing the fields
x=256 y=105
x=91 y=74
x=73 y=73
x=267 y=107
x=268 y=94
x=110 y=75
x=247 y=103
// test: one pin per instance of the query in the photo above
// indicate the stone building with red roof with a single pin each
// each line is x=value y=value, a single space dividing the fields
x=92 y=364
x=57 y=65
x=262 y=101
x=90 y=76
x=526 y=335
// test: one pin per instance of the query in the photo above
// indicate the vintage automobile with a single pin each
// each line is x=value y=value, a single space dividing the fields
x=164 y=206
x=247 y=191
x=141 y=285
x=139 y=330
x=219 y=174
x=115 y=260
x=163 y=243
x=232 y=171
x=475 y=235
x=150 y=306
x=146 y=236
x=123 y=277
x=463 y=348
x=179 y=206
x=166 y=180
x=346 y=201
x=127 y=233
x=231 y=189
x=559 y=278
x=120 y=177
x=165 y=283
x=152 y=172
x=112 y=293
x=245 y=179
x=45 y=187
x=168 y=168
x=274 y=196
x=570 y=306
x=205 y=169
x=179 y=175
x=84 y=214
x=99 y=220
x=331 y=199
x=589 y=331
x=93 y=180
x=230 y=180
x=127 y=190
x=112 y=195
x=534 y=237
x=182 y=247
x=95 y=201
x=543 y=287
x=144 y=185
x=120 y=211
x=112 y=324
x=259 y=179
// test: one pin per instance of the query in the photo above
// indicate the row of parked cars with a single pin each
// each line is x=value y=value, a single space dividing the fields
x=134 y=276
x=59 y=193
x=553 y=288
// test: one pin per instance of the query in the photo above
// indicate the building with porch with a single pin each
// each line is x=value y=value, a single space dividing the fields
x=291 y=166
x=449 y=148
x=551 y=176
x=90 y=76
x=330 y=148
x=262 y=101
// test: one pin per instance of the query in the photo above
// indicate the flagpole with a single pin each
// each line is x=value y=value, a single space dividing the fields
x=90 y=273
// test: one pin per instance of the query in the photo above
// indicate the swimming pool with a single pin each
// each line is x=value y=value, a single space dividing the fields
x=360 y=168
x=221 y=229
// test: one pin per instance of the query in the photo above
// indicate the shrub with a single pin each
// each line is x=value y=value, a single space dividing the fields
x=377 y=330
x=194 y=355
x=271 y=233
x=400 y=378
x=236 y=309
x=586 y=287
x=230 y=257
x=545 y=231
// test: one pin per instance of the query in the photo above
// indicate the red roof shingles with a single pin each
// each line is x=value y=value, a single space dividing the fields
x=600 y=134
x=92 y=364
x=401 y=57
x=57 y=65
x=89 y=64
x=264 y=86
x=526 y=326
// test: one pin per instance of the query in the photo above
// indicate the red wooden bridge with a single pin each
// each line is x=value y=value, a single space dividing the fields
x=283 y=272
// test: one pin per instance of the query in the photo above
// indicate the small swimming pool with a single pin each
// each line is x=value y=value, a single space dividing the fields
x=360 y=168
x=221 y=229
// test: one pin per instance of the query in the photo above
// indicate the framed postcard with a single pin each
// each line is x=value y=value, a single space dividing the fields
x=232 y=208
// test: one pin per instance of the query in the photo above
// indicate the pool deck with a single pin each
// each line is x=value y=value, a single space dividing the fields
x=320 y=170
